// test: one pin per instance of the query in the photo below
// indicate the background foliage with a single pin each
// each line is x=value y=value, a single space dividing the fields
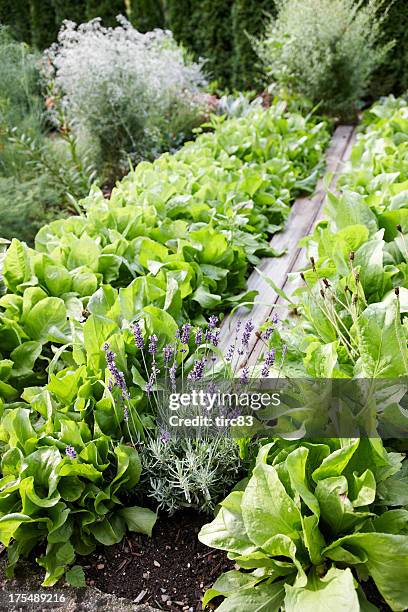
x=326 y=50
x=215 y=29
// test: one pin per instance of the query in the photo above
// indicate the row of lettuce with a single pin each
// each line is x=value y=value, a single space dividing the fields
x=174 y=241
x=318 y=517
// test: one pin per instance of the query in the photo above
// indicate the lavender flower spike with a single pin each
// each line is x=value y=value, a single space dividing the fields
x=184 y=333
x=248 y=329
x=244 y=378
x=165 y=437
x=149 y=385
x=199 y=336
x=152 y=379
x=230 y=353
x=197 y=371
x=212 y=321
x=153 y=344
x=118 y=377
x=268 y=362
x=215 y=337
x=138 y=336
x=168 y=352
x=70 y=452
x=172 y=375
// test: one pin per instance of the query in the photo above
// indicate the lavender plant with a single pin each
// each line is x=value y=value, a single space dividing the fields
x=195 y=468
x=127 y=94
x=190 y=473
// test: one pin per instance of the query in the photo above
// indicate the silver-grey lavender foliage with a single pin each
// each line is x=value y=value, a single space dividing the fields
x=190 y=473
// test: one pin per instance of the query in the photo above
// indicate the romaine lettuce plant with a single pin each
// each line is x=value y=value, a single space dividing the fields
x=354 y=296
x=178 y=234
x=64 y=487
x=313 y=522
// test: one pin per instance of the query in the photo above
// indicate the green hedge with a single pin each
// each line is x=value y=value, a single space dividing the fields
x=183 y=19
x=106 y=9
x=43 y=25
x=147 y=15
x=14 y=14
x=215 y=39
x=75 y=10
x=248 y=18
x=214 y=29
x=37 y=22
x=393 y=75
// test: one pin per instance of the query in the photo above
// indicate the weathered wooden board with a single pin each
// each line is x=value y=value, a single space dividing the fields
x=304 y=213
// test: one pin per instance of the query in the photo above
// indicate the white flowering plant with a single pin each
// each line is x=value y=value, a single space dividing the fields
x=130 y=95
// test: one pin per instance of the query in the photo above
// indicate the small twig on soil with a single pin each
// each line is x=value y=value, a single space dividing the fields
x=140 y=597
x=207 y=554
x=215 y=569
x=124 y=563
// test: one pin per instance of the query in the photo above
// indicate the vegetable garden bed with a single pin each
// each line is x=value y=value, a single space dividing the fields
x=304 y=214
x=175 y=240
x=105 y=292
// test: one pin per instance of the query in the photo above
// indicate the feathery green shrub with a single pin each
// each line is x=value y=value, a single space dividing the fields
x=326 y=50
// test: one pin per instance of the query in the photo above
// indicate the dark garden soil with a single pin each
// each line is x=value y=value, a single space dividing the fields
x=170 y=571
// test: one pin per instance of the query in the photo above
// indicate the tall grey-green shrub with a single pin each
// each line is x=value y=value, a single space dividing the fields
x=325 y=50
x=20 y=96
x=124 y=92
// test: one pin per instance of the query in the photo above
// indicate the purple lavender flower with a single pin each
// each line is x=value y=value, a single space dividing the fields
x=272 y=323
x=215 y=338
x=198 y=370
x=268 y=362
x=244 y=378
x=165 y=437
x=168 y=353
x=70 y=452
x=172 y=374
x=246 y=335
x=125 y=414
x=184 y=333
x=138 y=336
x=153 y=344
x=268 y=332
x=211 y=387
x=199 y=336
x=208 y=335
x=117 y=376
x=230 y=353
x=212 y=321
x=149 y=385
x=152 y=379
x=238 y=326
x=270 y=357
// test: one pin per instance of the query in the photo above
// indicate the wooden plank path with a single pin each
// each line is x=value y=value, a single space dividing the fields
x=305 y=212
